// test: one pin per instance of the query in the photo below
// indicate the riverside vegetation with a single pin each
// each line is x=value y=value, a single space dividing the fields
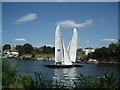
x=103 y=54
x=11 y=79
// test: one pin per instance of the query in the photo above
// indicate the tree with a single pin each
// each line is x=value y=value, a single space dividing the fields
x=9 y=73
x=20 y=49
x=28 y=48
x=36 y=51
x=48 y=50
x=6 y=47
x=79 y=51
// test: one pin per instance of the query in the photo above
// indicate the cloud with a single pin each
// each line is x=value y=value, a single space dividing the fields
x=71 y=23
x=20 y=40
x=109 y=40
x=26 y=18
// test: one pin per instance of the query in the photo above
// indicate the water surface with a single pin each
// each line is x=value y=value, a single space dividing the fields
x=67 y=75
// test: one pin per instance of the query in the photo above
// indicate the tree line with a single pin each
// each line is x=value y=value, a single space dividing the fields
x=29 y=49
x=110 y=53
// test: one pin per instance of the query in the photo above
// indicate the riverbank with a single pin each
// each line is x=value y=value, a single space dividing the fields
x=51 y=57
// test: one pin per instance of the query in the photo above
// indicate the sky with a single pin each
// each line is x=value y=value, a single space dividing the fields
x=35 y=23
x=60 y=0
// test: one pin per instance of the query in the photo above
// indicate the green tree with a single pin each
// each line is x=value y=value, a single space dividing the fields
x=6 y=47
x=28 y=48
x=48 y=50
x=53 y=50
x=9 y=73
x=20 y=49
x=110 y=53
x=36 y=51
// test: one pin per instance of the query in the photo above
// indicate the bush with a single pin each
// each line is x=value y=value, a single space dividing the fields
x=105 y=81
x=9 y=73
x=28 y=81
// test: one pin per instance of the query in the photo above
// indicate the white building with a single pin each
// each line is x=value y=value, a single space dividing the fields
x=11 y=53
x=89 y=50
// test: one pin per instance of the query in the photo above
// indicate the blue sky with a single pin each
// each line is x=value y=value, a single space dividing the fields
x=35 y=23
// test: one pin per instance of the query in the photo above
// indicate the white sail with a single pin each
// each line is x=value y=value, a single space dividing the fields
x=58 y=46
x=73 y=46
x=67 y=60
x=68 y=48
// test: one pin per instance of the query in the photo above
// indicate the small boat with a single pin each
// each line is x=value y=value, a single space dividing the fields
x=92 y=61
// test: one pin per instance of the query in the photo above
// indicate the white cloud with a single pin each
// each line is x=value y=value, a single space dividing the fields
x=109 y=40
x=20 y=39
x=71 y=23
x=26 y=18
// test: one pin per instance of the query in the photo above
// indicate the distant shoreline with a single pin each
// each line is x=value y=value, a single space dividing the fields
x=34 y=59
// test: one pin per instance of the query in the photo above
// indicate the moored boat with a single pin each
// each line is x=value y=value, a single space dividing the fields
x=65 y=58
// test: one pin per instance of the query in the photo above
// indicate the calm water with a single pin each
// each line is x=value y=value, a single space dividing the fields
x=64 y=74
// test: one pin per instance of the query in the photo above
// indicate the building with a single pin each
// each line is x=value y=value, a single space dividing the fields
x=89 y=50
x=11 y=53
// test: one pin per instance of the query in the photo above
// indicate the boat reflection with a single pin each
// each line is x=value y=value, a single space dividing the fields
x=67 y=76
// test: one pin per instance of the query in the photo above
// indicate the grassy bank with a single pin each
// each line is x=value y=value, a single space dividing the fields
x=46 y=56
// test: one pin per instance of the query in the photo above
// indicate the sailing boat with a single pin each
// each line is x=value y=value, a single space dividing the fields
x=64 y=57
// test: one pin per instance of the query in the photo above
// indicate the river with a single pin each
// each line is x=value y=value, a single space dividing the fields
x=64 y=74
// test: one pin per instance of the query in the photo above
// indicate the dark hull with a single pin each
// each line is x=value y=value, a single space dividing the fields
x=59 y=66
x=77 y=65
x=64 y=66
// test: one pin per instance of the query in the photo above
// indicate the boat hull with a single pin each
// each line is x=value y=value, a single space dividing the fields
x=59 y=66
x=64 y=66
x=77 y=65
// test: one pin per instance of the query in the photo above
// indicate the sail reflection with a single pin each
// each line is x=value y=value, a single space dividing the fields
x=67 y=76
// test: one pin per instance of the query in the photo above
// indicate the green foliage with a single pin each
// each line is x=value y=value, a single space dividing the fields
x=20 y=49
x=28 y=81
x=6 y=47
x=110 y=53
x=105 y=81
x=9 y=73
x=28 y=48
x=41 y=81
x=36 y=51
x=47 y=50
x=80 y=51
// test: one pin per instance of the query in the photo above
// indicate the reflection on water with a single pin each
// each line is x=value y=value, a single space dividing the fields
x=65 y=75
